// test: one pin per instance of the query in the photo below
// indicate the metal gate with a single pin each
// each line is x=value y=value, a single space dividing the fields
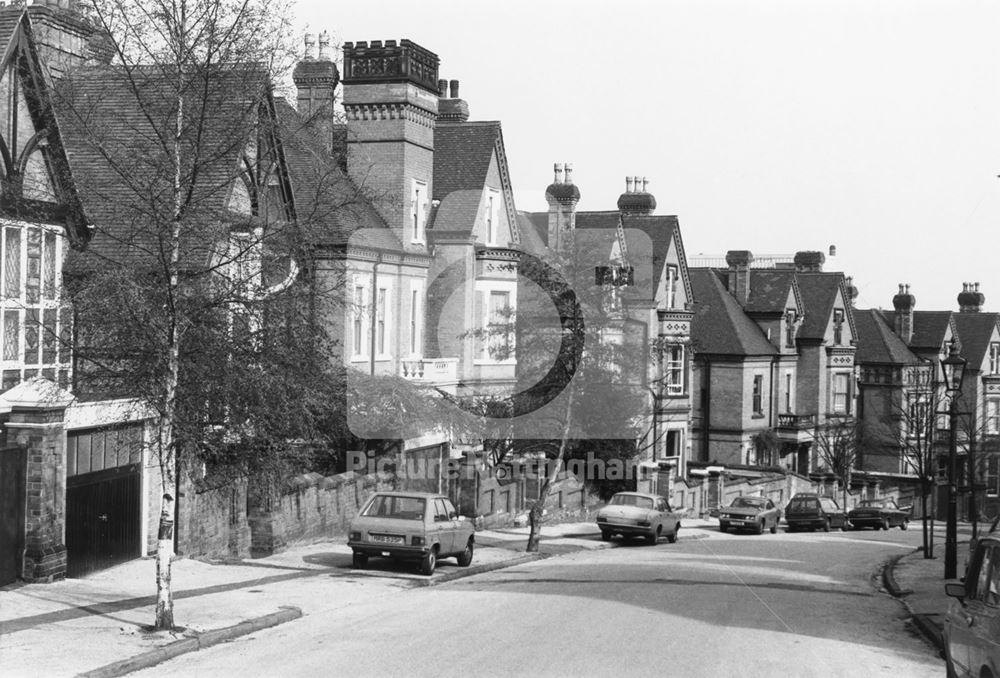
x=13 y=465
x=103 y=519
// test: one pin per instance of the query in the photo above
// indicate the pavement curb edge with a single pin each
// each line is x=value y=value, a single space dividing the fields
x=480 y=569
x=927 y=628
x=203 y=640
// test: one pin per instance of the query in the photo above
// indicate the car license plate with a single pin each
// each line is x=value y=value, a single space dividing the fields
x=386 y=554
x=388 y=539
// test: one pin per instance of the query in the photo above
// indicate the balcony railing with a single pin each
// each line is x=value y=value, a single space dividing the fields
x=430 y=370
x=796 y=422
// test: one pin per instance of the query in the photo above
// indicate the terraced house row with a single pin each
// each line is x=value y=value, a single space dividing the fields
x=414 y=226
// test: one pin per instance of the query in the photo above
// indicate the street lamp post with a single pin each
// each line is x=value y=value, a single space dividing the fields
x=954 y=369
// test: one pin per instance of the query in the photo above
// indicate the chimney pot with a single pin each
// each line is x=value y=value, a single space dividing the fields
x=454 y=89
x=443 y=88
x=557 y=170
x=977 y=286
x=628 y=185
x=324 y=46
x=645 y=185
x=310 y=51
x=569 y=172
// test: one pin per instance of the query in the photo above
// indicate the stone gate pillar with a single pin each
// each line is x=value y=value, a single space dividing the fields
x=32 y=417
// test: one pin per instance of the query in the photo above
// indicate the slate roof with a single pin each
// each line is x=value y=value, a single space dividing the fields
x=327 y=203
x=877 y=342
x=719 y=325
x=929 y=329
x=974 y=333
x=462 y=155
x=819 y=292
x=770 y=289
x=117 y=131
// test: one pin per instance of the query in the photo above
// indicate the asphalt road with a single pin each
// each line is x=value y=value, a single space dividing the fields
x=789 y=605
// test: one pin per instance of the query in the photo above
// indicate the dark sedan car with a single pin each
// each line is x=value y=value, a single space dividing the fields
x=878 y=514
x=753 y=513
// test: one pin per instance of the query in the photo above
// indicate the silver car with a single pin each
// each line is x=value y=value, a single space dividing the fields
x=634 y=514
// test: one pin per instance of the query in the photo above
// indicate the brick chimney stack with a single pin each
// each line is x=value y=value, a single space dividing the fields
x=636 y=200
x=562 y=195
x=904 y=303
x=809 y=262
x=739 y=274
x=970 y=299
x=450 y=107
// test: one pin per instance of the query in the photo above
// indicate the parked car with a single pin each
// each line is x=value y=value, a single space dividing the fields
x=633 y=514
x=754 y=513
x=808 y=510
x=972 y=624
x=415 y=526
x=878 y=514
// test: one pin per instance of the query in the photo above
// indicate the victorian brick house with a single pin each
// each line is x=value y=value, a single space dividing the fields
x=773 y=361
x=642 y=254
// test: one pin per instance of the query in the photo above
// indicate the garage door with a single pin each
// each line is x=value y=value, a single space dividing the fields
x=103 y=498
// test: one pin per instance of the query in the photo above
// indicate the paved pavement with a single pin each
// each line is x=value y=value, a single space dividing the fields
x=919 y=582
x=99 y=625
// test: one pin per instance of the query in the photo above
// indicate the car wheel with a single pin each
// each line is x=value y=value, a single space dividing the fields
x=845 y=526
x=760 y=527
x=826 y=525
x=905 y=524
x=465 y=557
x=605 y=535
x=672 y=537
x=654 y=537
x=885 y=524
x=360 y=561
x=723 y=527
x=774 y=527
x=429 y=562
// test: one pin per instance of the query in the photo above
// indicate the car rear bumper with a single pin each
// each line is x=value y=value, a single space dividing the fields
x=398 y=551
x=805 y=522
x=608 y=526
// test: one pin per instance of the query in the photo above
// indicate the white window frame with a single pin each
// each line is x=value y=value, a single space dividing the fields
x=845 y=378
x=486 y=289
x=673 y=274
x=992 y=418
x=417 y=220
x=416 y=319
x=675 y=365
x=789 y=394
x=383 y=343
x=359 y=310
x=492 y=216
x=994 y=358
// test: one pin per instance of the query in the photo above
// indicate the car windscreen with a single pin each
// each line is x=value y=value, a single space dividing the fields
x=400 y=508
x=747 y=502
x=631 y=500
x=803 y=504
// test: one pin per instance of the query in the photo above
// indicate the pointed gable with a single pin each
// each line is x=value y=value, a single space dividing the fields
x=877 y=343
x=469 y=158
x=821 y=292
x=771 y=290
x=976 y=331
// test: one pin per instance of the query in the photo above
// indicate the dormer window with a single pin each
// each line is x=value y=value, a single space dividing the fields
x=838 y=325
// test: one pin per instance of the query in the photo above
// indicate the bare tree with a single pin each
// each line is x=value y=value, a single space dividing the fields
x=838 y=445
x=188 y=294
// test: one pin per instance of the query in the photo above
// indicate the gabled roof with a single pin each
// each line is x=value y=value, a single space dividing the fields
x=463 y=152
x=930 y=329
x=819 y=293
x=719 y=325
x=117 y=127
x=770 y=289
x=10 y=16
x=975 y=330
x=878 y=343
x=328 y=205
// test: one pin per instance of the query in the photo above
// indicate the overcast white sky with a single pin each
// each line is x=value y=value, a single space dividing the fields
x=772 y=126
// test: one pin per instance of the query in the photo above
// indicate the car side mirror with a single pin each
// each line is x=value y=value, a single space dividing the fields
x=453 y=516
x=955 y=591
x=461 y=519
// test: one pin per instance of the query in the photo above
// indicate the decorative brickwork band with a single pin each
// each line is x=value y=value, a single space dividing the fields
x=407 y=112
